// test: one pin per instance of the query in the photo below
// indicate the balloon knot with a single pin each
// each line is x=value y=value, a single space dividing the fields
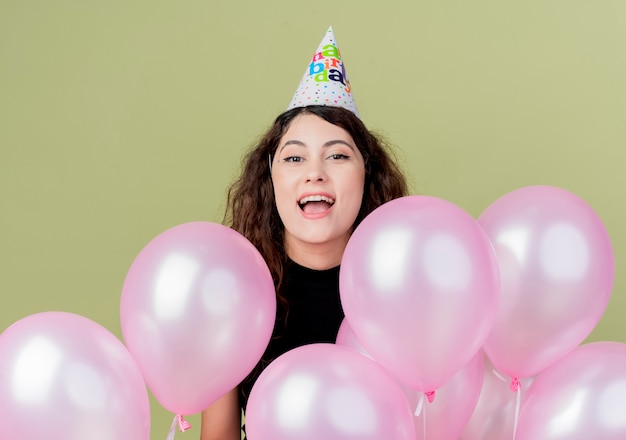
x=430 y=395
x=183 y=425
x=515 y=384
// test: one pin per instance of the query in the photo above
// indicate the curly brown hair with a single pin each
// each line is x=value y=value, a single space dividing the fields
x=250 y=205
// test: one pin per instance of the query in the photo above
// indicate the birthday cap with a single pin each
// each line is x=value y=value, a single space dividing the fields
x=325 y=81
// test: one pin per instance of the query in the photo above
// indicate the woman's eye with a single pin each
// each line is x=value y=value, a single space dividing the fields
x=292 y=159
x=338 y=156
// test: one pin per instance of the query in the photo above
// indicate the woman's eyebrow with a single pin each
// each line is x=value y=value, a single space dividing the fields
x=326 y=144
x=291 y=142
x=338 y=141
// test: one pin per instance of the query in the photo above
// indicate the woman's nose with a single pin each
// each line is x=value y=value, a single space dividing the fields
x=315 y=171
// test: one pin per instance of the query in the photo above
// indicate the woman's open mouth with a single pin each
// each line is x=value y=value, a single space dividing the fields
x=315 y=204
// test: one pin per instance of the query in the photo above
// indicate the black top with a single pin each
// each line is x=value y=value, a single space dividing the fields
x=315 y=315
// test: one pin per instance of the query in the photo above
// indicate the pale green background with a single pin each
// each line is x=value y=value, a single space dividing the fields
x=120 y=119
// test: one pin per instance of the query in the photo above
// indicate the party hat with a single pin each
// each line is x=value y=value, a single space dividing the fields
x=325 y=81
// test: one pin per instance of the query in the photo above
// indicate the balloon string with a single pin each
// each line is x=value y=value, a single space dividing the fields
x=518 y=390
x=516 y=387
x=420 y=404
x=498 y=375
x=424 y=424
x=430 y=396
x=170 y=435
x=183 y=425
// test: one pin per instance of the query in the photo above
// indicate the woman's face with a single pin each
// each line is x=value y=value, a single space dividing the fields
x=318 y=175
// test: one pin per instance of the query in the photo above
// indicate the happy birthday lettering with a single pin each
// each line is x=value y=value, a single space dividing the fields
x=325 y=66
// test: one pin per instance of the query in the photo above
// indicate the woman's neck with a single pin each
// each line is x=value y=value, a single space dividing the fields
x=315 y=255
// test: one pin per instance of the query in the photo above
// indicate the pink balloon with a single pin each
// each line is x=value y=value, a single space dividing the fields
x=197 y=312
x=65 y=377
x=556 y=264
x=419 y=285
x=494 y=415
x=326 y=391
x=582 y=396
x=453 y=403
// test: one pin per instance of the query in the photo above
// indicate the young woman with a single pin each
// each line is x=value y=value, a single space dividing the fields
x=303 y=190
